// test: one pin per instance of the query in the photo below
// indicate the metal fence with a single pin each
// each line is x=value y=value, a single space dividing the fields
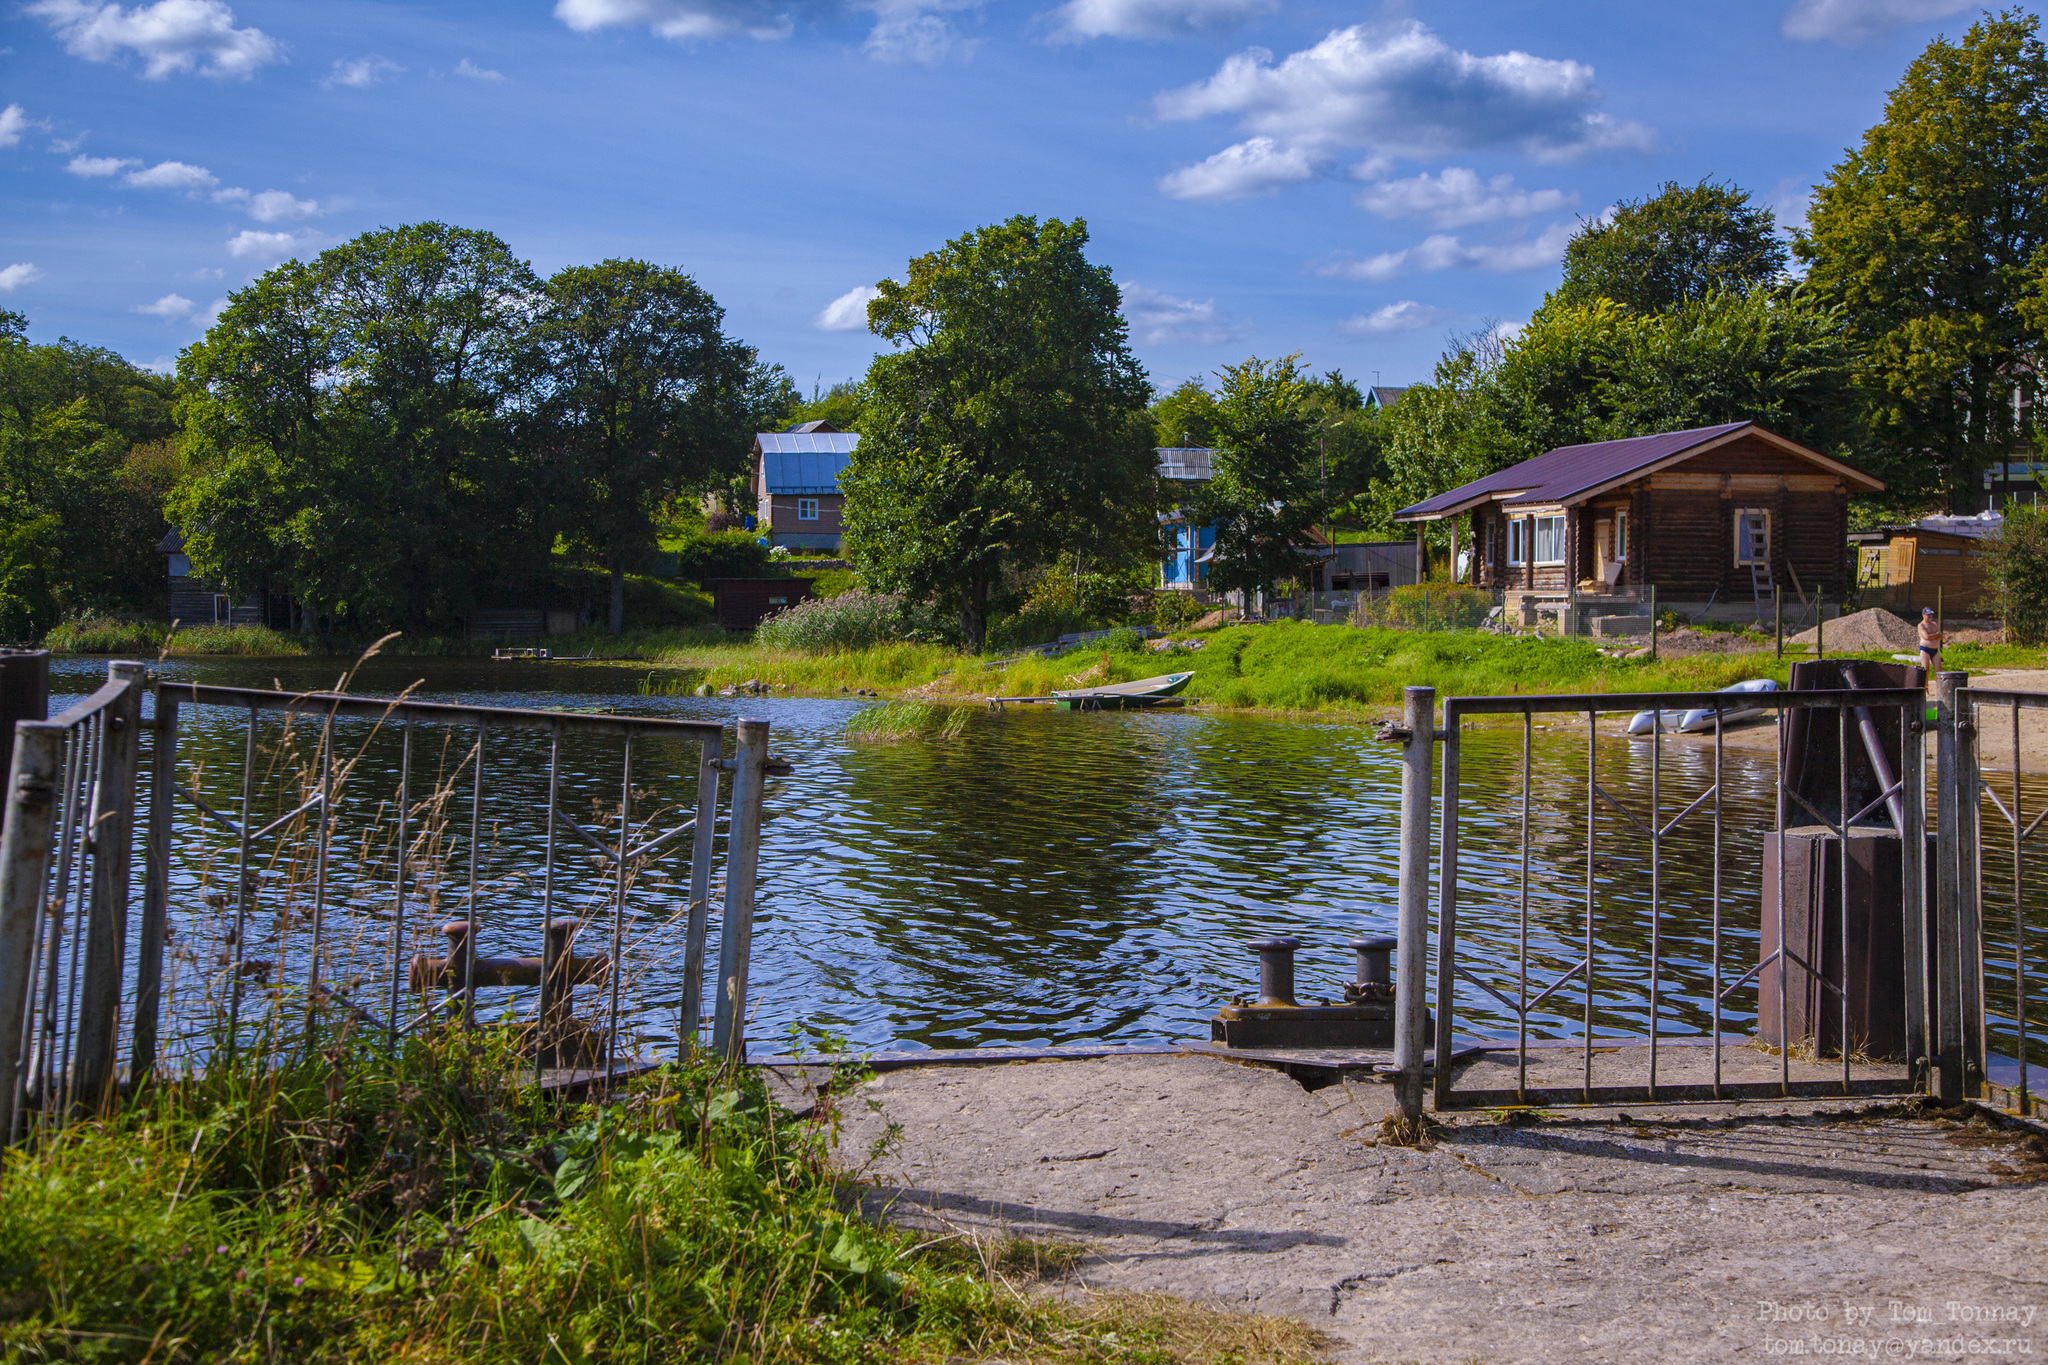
x=305 y=869
x=1576 y=991
x=2001 y=930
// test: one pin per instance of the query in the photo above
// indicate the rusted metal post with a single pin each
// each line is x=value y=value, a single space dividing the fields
x=699 y=917
x=1375 y=960
x=1969 y=892
x=1946 y=1035
x=156 y=883
x=25 y=844
x=1411 y=1003
x=742 y=853
x=1276 y=971
x=106 y=930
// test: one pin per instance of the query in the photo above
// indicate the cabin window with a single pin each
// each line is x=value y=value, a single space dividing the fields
x=1620 y=535
x=181 y=567
x=1550 y=540
x=1752 y=536
x=1518 y=542
x=806 y=509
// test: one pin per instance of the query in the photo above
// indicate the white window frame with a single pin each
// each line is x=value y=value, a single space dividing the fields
x=1556 y=522
x=806 y=509
x=1618 y=537
x=1518 y=542
x=1742 y=516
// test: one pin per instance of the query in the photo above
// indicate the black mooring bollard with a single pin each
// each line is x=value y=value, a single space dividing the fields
x=1276 y=970
x=1375 y=960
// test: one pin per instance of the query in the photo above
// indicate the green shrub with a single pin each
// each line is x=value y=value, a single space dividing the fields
x=721 y=554
x=850 y=621
x=255 y=642
x=1172 y=610
x=1039 y=624
x=106 y=635
x=2018 y=566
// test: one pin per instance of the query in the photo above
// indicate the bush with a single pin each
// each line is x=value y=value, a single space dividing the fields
x=2018 y=566
x=1171 y=610
x=721 y=554
x=852 y=620
x=106 y=635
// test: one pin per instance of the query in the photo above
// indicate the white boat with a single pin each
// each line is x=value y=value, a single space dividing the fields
x=1701 y=719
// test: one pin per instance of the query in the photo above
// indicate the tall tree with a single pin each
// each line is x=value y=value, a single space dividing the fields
x=1925 y=237
x=1678 y=245
x=353 y=430
x=83 y=459
x=1266 y=490
x=643 y=397
x=1009 y=424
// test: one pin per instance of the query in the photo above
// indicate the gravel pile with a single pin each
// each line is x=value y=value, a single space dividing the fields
x=1875 y=628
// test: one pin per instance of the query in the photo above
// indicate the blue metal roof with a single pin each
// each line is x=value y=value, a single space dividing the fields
x=804 y=461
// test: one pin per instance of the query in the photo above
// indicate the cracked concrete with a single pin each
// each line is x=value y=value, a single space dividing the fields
x=1667 y=1234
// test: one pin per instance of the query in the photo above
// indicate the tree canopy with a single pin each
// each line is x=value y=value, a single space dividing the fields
x=1007 y=427
x=85 y=462
x=1266 y=490
x=1676 y=246
x=1930 y=237
x=641 y=396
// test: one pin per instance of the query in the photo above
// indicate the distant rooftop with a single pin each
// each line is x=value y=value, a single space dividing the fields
x=1186 y=464
x=807 y=428
x=1382 y=396
x=805 y=461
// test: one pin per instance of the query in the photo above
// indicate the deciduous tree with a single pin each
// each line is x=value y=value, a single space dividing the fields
x=1676 y=246
x=1007 y=427
x=1926 y=237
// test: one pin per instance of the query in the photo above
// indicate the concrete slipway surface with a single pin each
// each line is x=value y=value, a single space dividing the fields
x=1749 y=1231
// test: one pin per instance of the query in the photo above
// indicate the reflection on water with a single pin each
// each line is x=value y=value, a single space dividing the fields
x=1049 y=878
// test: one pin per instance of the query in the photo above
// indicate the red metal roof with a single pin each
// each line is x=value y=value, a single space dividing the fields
x=1561 y=475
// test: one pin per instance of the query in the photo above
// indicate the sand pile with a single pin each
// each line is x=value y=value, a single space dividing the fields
x=1875 y=628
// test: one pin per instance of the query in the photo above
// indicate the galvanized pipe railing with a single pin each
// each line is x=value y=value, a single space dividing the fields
x=70 y=805
x=1902 y=797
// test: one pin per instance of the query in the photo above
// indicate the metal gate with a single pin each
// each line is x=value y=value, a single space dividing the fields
x=1620 y=962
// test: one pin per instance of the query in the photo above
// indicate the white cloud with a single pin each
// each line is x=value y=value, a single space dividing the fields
x=93 y=167
x=468 y=68
x=170 y=35
x=1159 y=319
x=173 y=175
x=1458 y=198
x=1442 y=251
x=1403 y=91
x=13 y=119
x=1080 y=20
x=679 y=21
x=916 y=31
x=1848 y=22
x=848 y=312
x=170 y=307
x=1405 y=316
x=212 y=315
x=15 y=276
x=267 y=246
x=357 y=72
x=278 y=206
x=1256 y=166
x=1789 y=201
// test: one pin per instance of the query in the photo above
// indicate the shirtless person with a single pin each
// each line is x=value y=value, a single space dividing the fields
x=1930 y=644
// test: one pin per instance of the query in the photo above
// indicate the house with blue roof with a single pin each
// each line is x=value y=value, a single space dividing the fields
x=796 y=484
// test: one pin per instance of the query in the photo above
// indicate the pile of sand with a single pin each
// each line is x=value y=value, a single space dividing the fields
x=1875 y=628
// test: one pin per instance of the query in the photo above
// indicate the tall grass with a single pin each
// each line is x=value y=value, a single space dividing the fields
x=331 y=1202
x=145 y=639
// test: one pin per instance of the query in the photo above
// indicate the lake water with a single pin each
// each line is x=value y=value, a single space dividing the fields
x=1043 y=878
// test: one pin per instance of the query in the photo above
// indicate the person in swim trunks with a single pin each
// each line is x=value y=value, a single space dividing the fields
x=1930 y=644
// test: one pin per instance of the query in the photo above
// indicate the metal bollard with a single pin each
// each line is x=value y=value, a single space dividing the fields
x=1276 y=971
x=1375 y=959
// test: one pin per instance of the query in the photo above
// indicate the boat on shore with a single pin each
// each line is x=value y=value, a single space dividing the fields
x=1700 y=719
x=1141 y=694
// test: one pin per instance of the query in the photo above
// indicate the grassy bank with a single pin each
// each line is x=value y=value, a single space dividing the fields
x=1289 y=667
x=337 y=1205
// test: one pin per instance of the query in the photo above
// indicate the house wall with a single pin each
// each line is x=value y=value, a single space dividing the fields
x=1925 y=568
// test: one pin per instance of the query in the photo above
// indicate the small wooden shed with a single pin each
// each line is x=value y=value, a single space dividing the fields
x=1905 y=568
x=743 y=603
x=1714 y=514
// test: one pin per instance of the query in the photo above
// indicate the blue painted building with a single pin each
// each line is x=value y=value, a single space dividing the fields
x=1188 y=547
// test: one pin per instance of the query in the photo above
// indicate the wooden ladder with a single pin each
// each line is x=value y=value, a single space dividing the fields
x=1757 y=542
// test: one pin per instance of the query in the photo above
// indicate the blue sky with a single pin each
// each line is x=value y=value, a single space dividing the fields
x=1353 y=182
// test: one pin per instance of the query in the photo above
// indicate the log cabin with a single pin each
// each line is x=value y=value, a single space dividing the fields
x=1715 y=516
